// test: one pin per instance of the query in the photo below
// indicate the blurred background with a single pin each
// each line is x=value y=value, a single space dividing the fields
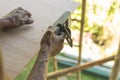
x=101 y=27
x=100 y=40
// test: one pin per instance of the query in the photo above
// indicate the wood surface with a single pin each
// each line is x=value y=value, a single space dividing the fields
x=21 y=44
x=3 y=75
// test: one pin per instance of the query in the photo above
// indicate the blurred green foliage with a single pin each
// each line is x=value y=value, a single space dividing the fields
x=98 y=12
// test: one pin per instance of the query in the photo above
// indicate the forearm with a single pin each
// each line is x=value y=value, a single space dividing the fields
x=39 y=70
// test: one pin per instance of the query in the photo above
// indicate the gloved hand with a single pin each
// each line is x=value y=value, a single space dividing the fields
x=16 y=18
x=53 y=42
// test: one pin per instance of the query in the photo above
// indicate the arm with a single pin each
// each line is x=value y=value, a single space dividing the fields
x=51 y=44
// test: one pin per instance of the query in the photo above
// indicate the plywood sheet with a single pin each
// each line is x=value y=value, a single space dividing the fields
x=21 y=44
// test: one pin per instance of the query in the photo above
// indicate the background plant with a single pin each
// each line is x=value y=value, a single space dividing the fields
x=98 y=12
